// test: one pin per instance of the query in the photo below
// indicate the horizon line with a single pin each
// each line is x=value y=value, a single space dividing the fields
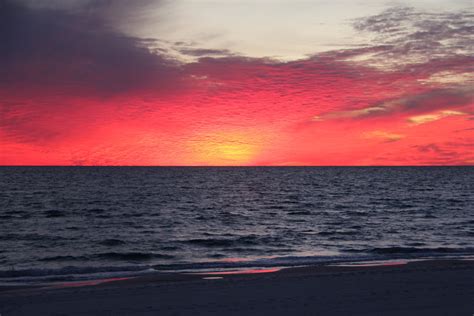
x=239 y=166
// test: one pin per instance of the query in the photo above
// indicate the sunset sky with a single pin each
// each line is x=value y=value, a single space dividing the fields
x=236 y=82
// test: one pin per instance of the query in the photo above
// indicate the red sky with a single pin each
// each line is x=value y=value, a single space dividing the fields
x=75 y=89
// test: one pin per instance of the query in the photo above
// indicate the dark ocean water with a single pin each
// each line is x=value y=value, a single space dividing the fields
x=59 y=223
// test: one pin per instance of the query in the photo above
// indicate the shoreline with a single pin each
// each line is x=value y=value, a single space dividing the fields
x=431 y=287
x=35 y=277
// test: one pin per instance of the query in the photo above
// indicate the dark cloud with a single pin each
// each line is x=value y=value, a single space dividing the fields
x=54 y=59
x=446 y=153
x=202 y=52
x=390 y=23
x=432 y=100
x=120 y=8
x=120 y=12
x=429 y=148
x=76 y=52
x=397 y=25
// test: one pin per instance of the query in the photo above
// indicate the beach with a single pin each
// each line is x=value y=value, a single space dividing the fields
x=437 y=287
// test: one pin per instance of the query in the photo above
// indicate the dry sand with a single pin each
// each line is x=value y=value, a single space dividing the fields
x=417 y=288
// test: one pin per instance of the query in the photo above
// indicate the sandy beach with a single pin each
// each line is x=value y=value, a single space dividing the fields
x=415 y=288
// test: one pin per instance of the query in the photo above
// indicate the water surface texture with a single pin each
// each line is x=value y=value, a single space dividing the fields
x=63 y=222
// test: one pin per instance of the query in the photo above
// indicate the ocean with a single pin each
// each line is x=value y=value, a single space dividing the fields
x=76 y=223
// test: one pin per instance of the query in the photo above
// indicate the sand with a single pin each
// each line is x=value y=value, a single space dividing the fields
x=416 y=288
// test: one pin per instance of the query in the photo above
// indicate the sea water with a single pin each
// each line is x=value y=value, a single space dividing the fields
x=68 y=223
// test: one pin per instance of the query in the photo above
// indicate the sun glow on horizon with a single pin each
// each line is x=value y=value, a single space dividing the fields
x=225 y=148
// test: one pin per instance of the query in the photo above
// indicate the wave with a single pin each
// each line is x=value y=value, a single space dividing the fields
x=338 y=232
x=250 y=240
x=299 y=213
x=419 y=250
x=75 y=273
x=63 y=258
x=112 y=242
x=54 y=213
x=109 y=256
x=31 y=236
x=67 y=271
x=132 y=256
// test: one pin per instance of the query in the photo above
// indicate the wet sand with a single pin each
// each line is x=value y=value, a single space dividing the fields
x=416 y=288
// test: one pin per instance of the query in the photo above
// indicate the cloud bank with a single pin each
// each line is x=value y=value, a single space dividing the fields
x=75 y=89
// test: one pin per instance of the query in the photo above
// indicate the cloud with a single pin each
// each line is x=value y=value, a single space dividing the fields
x=410 y=36
x=428 y=148
x=110 y=10
x=62 y=66
x=73 y=86
x=427 y=101
x=426 y=118
x=386 y=136
x=446 y=153
x=76 y=52
x=205 y=52
x=450 y=77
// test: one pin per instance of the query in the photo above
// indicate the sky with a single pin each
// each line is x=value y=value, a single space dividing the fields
x=236 y=82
